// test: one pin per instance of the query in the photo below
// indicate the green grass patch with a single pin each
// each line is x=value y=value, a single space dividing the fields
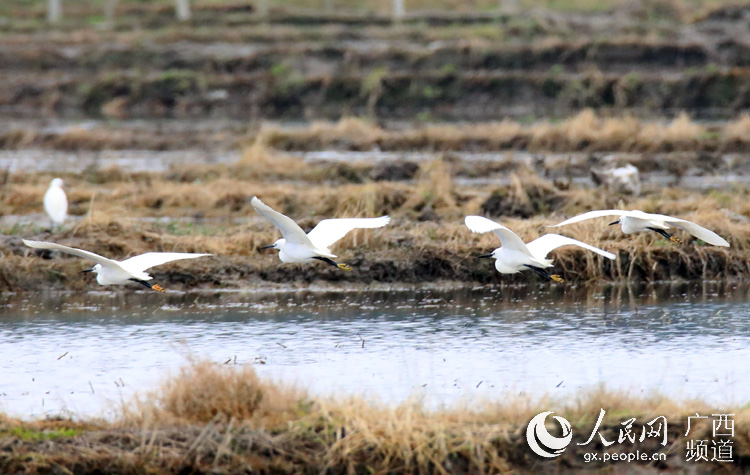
x=30 y=434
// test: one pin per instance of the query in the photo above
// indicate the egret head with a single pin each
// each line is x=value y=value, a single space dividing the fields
x=491 y=254
x=57 y=182
x=96 y=269
x=277 y=245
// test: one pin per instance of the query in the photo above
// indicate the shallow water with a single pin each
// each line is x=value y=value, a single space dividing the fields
x=81 y=354
x=133 y=161
x=163 y=161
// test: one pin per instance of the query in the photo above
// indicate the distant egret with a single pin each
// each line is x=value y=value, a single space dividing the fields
x=638 y=221
x=515 y=256
x=296 y=246
x=111 y=272
x=55 y=202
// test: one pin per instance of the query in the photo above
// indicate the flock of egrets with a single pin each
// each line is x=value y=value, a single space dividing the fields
x=297 y=246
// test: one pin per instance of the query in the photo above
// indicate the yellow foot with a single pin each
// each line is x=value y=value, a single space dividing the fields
x=674 y=239
x=158 y=288
x=344 y=267
x=557 y=278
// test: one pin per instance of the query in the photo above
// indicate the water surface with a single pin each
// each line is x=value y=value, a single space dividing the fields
x=83 y=353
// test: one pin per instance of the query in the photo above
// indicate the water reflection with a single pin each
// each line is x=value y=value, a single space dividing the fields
x=84 y=352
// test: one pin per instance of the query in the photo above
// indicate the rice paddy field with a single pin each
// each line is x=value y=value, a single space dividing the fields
x=163 y=131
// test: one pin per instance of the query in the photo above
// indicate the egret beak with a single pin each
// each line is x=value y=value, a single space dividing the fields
x=484 y=256
x=267 y=247
x=616 y=222
x=87 y=270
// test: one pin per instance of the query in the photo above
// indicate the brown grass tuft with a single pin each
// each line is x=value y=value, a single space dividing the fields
x=363 y=129
x=585 y=131
x=681 y=132
x=203 y=392
x=434 y=188
x=528 y=195
x=738 y=130
x=260 y=161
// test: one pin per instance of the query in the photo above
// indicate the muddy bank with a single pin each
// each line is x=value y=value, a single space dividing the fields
x=406 y=253
x=206 y=208
x=203 y=449
x=549 y=64
x=362 y=56
x=200 y=136
x=479 y=95
x=423 y=266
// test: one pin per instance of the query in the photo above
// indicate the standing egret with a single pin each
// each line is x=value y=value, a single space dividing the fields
x=296 y=246
x=111 y=272
x=637 y=221
x=515 y=256
x=55 y=202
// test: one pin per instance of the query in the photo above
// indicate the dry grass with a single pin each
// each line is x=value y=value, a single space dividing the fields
x=222 y=418
x=204 y=392
x=739 y=130
x=207 y=210
x=259 y=162
x=585 y=131
x=434 y=188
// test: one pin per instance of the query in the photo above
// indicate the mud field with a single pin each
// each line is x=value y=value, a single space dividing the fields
x=644 y=58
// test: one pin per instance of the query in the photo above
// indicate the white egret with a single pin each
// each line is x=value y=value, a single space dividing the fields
x=55 y=202
x=111 y=272
x=296 y=246
x=637 y=221
x=515 y=256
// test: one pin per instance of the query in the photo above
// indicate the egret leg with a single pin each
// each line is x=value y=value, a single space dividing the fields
x=329 y=261
x=546 y=274
x=156 y=287
x=666 y=235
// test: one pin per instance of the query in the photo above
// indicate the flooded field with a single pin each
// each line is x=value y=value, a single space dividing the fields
x=81 y=354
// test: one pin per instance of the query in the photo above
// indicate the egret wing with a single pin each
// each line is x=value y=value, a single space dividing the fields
x=595 y=214
x=71 y=250
x=289 y=229
x=543 y=245
x=329 y=231
x=152 y=259
x=509 y=239
x=698 y=231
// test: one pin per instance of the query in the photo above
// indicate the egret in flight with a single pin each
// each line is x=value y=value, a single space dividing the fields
x=111 y=272
x=55 y=202
x=638 y=221
x=296 y=246
x=514 y=256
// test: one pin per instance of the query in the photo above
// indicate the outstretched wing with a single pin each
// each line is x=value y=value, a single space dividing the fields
x=152 y=259
x=545 y=244
x=698 y=231
x=329 y=231
x=71 y=250
x=508 y=238
x=596 y=214
x=289 y=229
